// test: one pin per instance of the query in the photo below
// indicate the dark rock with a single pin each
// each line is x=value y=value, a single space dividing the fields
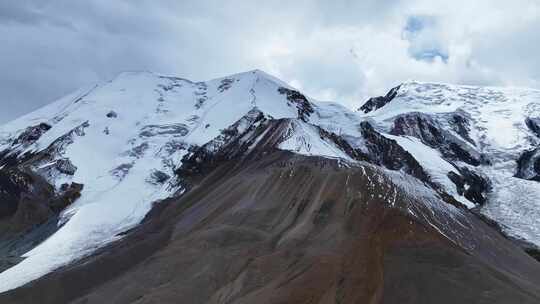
x=225 y=84
x=200 y=102
x=31 y=212
x=55 y=149
x=533 y=252
x=528 y=165
x=122 y=170
x=420 y=126
x=462 y=126
x=423 y=127
x=28 y=200
x=471 y=185
x=533 y=123
x=69 y=194
x=236 y=143
x=375 y=103
x=304 y=107
x=323 y=213
x=174 y=145
x=65 y=166
x=159 y=177
x=112 y=114
x=343 y=145
x=31 y=134
x=33 y=204
x=54 y=167
x=138 y=151
x=231 y=143
x=388 y=153
x=172 y=129
x=13 y=183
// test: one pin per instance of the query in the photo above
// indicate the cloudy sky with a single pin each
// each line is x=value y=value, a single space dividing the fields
x=332 y=50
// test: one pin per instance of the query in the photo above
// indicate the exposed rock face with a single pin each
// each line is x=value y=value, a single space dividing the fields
x=378 y=102
x=529 y=165
x=112 y=114
x=300 y=101
x=69 y=193
x=432 y=134
x=233 y=142
x=153 y=130
x=159 y=177
x=29 y=203
x=29 y=212
x=534 y=125
x=29 y=200
x=461 y=124
x=225 y=84
x=471 y=185
x=31 y=134
x=386 y=152
x=13 y=183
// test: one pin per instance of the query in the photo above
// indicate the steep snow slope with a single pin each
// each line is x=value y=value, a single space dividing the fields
x=123 y=140
x=489 y=122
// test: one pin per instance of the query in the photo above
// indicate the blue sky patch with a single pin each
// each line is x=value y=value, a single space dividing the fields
x=422 y=32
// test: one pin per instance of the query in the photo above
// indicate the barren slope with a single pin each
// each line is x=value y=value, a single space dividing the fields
x=292 y=229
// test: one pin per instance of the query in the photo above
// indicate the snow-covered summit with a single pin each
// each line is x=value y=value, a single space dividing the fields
x=498 y=112
x=494 y=131
x=123 y=140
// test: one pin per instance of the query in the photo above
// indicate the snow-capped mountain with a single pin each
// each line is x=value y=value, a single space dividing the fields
x=490 y=131
x=123 y=140
x=86 y=170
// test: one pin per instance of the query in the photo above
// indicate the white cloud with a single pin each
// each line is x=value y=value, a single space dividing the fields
x=347 y=50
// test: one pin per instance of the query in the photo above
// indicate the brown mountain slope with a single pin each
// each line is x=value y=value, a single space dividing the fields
x=295 y=229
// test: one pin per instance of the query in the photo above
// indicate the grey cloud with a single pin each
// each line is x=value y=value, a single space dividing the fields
x=346 y=50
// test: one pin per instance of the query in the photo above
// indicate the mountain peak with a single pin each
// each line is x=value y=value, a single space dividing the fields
x=97 y=160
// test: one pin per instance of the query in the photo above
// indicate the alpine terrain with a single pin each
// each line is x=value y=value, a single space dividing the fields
x=154 y=189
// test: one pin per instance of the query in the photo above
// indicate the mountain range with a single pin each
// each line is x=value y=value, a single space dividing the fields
x=242 y=189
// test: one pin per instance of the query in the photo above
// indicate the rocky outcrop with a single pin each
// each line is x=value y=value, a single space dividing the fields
x=32 y=213
x=28 y=200
x=528 y=165
x=232 y=142
x=10 y=156
x=431 y=133
x=67 y=195
x=304 y=107
x=254 y=136
x=471 y=185
x=388 y=153
x=460 y=123
x=13 y=184
x=533 y=123
x=375 y=103
x=31 y=134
